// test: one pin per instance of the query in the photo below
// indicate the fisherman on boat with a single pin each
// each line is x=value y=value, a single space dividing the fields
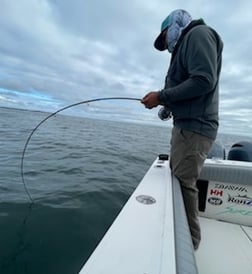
x=191 y=92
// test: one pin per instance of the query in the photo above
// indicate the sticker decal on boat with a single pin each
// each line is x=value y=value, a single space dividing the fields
x=215 y=201
x=231 y=187
x=233 y=210
x=216 y=192
x=240 y=200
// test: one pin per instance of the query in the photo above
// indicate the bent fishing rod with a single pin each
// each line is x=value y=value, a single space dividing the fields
x=51 y=115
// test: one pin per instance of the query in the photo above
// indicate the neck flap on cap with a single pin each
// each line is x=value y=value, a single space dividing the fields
x=179 y=20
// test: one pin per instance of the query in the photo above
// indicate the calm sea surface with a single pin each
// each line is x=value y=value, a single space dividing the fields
x=79 y=173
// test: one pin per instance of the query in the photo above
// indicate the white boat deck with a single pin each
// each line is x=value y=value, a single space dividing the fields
x=225 y=248
x=151 y=234
x=141 y=239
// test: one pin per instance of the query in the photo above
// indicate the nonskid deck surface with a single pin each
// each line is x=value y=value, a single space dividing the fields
x=225 y=248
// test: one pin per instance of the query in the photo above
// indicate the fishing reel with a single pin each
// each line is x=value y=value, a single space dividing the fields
x=164 y=114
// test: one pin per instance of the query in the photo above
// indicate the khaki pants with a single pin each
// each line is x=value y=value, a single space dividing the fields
x=188 y=153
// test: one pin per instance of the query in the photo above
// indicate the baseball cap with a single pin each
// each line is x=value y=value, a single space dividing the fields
x=178 y=17
x=160 y=40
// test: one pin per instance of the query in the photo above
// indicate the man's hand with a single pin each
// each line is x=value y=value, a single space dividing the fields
x=150 y=100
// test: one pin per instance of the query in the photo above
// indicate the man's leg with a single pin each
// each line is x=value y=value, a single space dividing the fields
x=188 y=153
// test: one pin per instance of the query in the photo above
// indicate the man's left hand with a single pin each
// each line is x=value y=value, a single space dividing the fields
x=150 y=100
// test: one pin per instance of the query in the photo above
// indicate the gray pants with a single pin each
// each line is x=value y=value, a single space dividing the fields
x=188 y=153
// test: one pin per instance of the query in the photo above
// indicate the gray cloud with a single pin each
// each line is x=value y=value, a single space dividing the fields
x=70 y=51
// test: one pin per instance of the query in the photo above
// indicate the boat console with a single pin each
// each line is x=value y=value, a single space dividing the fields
x=225 y=206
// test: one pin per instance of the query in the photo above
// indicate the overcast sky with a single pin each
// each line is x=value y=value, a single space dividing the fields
x=58 y=52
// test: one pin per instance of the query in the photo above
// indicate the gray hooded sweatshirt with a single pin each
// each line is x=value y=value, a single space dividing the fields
x=192 y=83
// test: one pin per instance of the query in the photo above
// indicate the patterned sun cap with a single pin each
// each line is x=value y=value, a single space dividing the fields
x=179 y=17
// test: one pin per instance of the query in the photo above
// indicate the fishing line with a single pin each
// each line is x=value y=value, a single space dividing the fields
x=51 y=115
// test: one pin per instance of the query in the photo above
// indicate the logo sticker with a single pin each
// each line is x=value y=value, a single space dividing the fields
x=214 y=201
x=216 y=192
x=240 y=200
x=233 y=210
x=231 y=187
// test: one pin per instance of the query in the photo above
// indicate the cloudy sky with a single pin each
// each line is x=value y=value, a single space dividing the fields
x=57 y=52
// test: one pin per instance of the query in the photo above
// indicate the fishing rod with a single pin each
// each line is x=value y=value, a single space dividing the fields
x=51 y=115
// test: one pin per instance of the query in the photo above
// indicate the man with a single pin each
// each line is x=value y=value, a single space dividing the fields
x=191 y=93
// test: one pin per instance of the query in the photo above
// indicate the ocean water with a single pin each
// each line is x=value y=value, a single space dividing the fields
x=79 y=173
